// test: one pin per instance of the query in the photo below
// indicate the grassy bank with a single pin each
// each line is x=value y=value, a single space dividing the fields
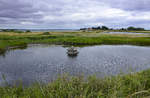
x=5 y=44
x=129 y=86
x=70 y=38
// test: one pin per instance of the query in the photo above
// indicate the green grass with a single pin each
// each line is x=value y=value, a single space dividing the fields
x=69 y=38
x=135 y=85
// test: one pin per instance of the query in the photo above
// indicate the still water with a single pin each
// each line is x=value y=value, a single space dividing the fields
x=126 y=33
x=45 y=62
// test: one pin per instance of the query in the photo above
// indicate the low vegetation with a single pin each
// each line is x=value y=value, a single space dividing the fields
x=134 y=85
x=131 y=28
x=70 y=38
x=14 y=31
x=28 y=31
x=46 y=33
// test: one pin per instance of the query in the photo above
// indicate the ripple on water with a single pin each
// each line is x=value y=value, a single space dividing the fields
x=41 y=62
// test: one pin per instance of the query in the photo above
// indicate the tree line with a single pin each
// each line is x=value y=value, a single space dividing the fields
x=14 y=30
x=131 y=28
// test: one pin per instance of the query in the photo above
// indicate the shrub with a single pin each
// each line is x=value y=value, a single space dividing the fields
x=27 y=31
x=46 y=33
x=17 y=31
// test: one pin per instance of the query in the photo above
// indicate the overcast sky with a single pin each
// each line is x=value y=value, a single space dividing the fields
x=72 y=14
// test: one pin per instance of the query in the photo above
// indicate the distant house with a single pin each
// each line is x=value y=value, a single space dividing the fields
x=89 y=29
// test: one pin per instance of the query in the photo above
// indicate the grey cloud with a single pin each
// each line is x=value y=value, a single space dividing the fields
x=17 y=9
x=70 y=13
x=13 y=12
x=130 y=5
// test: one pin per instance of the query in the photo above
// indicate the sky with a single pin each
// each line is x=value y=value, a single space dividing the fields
x=73 y=14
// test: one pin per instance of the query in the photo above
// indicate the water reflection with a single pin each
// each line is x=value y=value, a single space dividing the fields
x=2 y=53
x=125 y=33
x=44 y=62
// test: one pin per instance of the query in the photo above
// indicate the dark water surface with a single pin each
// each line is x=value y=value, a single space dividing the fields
x=50 y=30
x=46 y=62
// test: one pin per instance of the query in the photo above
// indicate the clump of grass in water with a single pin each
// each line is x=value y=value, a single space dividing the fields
x=128 y=86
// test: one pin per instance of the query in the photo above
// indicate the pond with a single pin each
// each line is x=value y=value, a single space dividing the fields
x=45 y=62
x=126 y=33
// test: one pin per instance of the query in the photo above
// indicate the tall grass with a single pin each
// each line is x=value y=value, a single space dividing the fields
x=129 y=86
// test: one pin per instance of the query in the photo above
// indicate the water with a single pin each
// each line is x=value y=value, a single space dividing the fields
x=125 y=33
x=46 y=62
x=51 y=30
x=47 y=30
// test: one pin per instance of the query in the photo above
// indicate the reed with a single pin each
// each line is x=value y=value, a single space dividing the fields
x=134 y=85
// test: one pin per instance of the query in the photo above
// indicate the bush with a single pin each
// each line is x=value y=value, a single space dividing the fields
x=135 y=29
x=46 y=33
x=17 y=31
x=27 y=31
x=8 y=30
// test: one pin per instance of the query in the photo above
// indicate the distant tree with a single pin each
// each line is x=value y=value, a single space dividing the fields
x=83 y=28
x=134 y=28
x=27 y=31
x=4 y=30
x=105 y=28
x=98 y=27
x=123 y=29
x=131 y=28
x=8 y=30
x=94 y=28
x=140 y=29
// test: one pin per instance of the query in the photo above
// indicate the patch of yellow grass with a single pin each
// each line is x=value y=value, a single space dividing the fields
x=12 y=33
x=82 y=34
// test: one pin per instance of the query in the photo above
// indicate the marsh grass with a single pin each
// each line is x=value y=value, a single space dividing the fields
x=71 y=38
x=135 y=85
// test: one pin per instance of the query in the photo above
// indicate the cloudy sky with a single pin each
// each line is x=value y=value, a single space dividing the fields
x=72 y=14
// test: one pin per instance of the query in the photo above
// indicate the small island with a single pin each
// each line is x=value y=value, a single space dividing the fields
x=72 y=51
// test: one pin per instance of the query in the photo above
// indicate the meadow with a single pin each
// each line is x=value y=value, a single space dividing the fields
x=11 y=39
